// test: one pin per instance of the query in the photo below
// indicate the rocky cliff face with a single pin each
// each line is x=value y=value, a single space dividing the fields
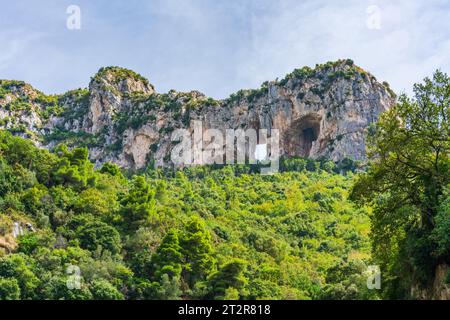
x=439 y=289
x=320 y=112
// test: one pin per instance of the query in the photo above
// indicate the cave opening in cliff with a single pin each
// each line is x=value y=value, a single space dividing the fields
x=302 y=134
x=307 y=137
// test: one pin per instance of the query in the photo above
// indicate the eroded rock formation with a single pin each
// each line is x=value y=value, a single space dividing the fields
x=320 y=112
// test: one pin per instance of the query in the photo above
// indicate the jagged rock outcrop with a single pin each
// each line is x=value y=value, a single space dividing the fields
x=107 y=90
x=320 y=112
x=439 y=289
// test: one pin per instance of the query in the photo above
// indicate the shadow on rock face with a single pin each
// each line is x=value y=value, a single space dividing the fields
x=298 y=140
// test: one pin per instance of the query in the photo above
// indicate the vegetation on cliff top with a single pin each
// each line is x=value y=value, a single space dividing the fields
x=118 y=74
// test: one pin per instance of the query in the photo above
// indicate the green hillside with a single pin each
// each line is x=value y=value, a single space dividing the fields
x=68 y=231
x=197 y=233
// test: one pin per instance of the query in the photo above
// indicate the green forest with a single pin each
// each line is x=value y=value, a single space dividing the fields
x=308 y=232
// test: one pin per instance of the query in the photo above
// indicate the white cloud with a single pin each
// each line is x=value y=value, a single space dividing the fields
x=219 y=47
x=412 y=42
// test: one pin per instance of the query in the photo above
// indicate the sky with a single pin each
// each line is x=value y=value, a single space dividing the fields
x=219 y=46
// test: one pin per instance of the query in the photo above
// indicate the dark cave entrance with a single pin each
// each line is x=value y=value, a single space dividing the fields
x=307 y=137
x=302 y=134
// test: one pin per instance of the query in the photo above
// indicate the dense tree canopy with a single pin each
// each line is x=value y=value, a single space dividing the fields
x=408 y=183
x=201 y=232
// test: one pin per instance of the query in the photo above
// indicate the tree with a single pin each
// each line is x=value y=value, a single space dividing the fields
x=347 y=280
x=139 y=249
x=230 y=276
x=9 y=289
x=168 y=288
x=100 y=203
x=74 y=168
x=409 y=169
x=56 y=289
x=328 y=166
x=197 y=251
x=441 y=233
x=111 y=169
x=99 y=234
x=18 y=266
x=22 y=152
x=138 y=205
x=31 y=241
x=103 y=290
x=345 y=165
x=92 y=234
x=293 y=164
x=168 y=257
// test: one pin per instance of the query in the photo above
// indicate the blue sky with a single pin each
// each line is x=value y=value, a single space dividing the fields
x=221 y=46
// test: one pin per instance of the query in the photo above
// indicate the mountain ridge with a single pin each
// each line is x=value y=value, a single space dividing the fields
x=320 y=112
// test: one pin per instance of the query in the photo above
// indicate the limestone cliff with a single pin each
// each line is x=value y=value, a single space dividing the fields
x=320 y=112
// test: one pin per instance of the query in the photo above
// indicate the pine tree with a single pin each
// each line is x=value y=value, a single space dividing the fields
x=138 y=205
x=197 y=249
x=168 y=257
